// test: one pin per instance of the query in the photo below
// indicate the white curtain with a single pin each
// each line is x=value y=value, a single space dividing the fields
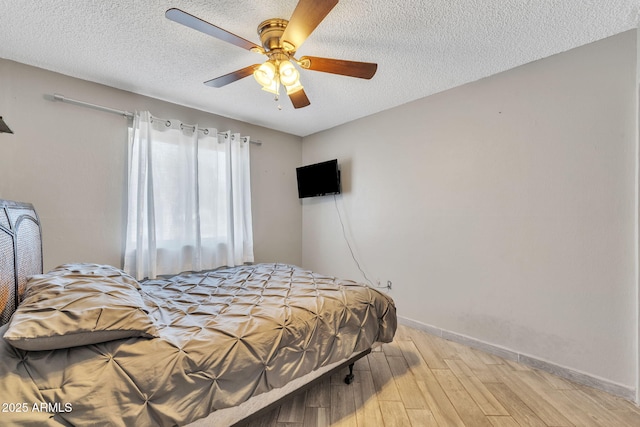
x=189 y=198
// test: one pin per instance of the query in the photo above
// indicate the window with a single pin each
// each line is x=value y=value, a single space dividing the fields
x=189 y=200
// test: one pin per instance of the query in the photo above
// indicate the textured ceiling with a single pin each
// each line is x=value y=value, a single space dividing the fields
x=421 y=47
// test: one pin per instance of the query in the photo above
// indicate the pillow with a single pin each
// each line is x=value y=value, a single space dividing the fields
x=80 y=305
x=85 y=269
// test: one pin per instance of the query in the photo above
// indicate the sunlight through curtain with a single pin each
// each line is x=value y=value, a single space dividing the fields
x=189 y=198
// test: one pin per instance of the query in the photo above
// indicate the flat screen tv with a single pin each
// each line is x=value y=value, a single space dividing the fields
x=318 y=179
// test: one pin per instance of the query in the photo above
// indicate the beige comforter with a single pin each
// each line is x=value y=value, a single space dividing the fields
x=224 y=336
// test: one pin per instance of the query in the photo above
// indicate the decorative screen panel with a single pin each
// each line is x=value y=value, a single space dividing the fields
x=20 y=253
x=7 y=277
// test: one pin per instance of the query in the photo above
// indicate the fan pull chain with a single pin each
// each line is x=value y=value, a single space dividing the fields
x=277 y=97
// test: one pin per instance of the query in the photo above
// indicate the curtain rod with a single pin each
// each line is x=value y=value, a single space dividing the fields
x=127 y=114
x=62 y=98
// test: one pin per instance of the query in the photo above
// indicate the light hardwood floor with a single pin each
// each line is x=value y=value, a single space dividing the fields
x=421 y=380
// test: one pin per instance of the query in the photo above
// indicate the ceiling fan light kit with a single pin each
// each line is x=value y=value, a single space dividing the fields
x=289 y=76
x=272 y=74
x=280 y=39
x=265 y=74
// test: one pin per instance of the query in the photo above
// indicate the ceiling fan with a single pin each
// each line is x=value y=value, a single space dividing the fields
x=280 y=40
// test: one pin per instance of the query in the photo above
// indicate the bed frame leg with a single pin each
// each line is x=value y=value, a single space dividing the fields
x=349 y=378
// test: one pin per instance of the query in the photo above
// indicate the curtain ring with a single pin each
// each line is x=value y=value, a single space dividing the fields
x=205 y=131
x=167 y=123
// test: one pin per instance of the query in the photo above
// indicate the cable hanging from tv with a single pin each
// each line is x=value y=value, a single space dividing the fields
x=323 y=179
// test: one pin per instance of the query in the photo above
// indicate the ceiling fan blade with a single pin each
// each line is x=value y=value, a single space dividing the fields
x=362 y=70
x=299 y=99
x=184 y=18
x=232 y=77
x=305 y=18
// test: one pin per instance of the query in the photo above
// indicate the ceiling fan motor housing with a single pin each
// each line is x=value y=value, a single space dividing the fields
x=270 y=32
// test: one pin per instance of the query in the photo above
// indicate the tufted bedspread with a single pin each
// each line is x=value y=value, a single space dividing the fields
x=224 y=336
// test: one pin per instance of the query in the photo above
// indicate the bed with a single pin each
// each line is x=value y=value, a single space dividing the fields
x=87 y=344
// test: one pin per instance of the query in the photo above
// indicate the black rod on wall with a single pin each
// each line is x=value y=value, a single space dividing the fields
x=3 y=127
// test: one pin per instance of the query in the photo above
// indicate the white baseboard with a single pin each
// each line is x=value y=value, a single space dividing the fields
x=561 y=371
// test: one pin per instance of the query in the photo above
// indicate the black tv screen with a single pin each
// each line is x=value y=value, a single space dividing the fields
x=318 y=179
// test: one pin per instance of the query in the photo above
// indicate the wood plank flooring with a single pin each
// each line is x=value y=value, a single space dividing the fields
x=421 y=380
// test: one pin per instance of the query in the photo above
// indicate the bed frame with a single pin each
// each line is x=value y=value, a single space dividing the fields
x=21 y=257
x=20 y=253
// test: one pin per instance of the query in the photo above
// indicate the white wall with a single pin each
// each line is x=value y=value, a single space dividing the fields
x=69 y=161
x=503 y=210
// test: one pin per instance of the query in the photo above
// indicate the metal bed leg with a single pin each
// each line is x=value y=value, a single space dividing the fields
x=349 y=378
